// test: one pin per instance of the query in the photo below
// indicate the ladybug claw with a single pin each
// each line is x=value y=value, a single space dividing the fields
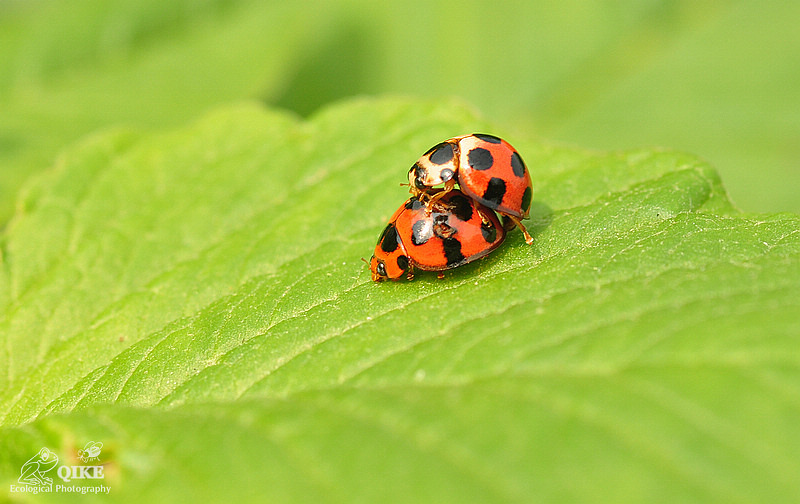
x=528 y=237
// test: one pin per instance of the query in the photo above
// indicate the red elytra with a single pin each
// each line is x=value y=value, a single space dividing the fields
x=488 y=169
x=452 y=231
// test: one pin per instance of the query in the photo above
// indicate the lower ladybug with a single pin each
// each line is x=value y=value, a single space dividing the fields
x=487 y=168
x=452 y=231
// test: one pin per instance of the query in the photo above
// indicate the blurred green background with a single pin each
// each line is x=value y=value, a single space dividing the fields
x=717 y=78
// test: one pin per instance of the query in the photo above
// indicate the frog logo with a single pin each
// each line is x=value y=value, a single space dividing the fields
x=33 y=471
x=90 y=452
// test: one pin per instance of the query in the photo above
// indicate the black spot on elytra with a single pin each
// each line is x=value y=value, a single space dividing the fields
x=421 y=231
x=461 y=207
x=452 y=251
x=402 y=262
x=517 y=164
x=480 y=159
x=442 y=153
x=487 y=138
x=495 y=191
x=489 y=231
x=388 y=240
x=413 y=204
x=446 y=174
x=526 y=200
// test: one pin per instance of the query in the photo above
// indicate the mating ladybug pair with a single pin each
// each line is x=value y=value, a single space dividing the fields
x=442 y=228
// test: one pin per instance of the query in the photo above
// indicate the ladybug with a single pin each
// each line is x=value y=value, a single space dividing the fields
x=452 y=231
x=488 y=169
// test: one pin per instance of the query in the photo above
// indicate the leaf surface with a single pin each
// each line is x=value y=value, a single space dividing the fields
x=195 y=300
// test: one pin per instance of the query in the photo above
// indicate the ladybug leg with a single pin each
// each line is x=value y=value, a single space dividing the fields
x=440 y=275
x=528 y=237
x=448 y=186
x=410 y=274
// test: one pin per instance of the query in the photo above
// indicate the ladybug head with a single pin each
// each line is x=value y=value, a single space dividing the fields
x=378 y=269
x=437 y=166
x=389 y=261
x=417 y=177
x=391 y=270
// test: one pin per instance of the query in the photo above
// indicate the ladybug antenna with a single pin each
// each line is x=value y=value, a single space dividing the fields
x=365 y=260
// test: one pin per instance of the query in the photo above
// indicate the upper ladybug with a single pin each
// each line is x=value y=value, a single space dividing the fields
x=488 y=169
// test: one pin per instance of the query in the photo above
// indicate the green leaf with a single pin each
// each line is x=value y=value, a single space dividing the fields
x=195 y=300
